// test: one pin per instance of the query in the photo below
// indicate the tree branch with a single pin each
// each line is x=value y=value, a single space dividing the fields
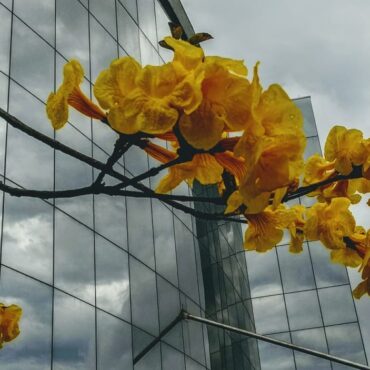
x=152 y=172
x=16 y=123
x=304 y=190
x=120 y=147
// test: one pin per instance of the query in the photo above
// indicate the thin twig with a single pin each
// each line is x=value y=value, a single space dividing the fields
x=120 y=147
x=304 y=190
x=152 y=172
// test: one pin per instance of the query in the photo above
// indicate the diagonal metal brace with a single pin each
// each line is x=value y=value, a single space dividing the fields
x=171 y=325
x=280 y=343
x=183 y=315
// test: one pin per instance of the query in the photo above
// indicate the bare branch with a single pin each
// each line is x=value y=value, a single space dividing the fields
x=120 y=147
x=304 y=190
x=16 y=123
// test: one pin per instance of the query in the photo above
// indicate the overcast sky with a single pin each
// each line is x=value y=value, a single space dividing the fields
x=311 y=47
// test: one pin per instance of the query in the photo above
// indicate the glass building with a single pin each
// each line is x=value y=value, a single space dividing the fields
x=303 y=298
x=98 y=277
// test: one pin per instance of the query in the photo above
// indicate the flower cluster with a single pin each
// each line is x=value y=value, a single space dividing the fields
x=9 y=319
x=225 y=129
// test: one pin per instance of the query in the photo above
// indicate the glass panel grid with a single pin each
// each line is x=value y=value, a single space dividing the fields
x=81 y=264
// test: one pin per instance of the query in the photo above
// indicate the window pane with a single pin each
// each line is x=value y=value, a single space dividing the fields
x=140 y=230
x=147 y=19
x=326 y=273
x=29 y=163
x=5 y=17
x=103 y=47
x=71 y=173
x=31 y=350
x=296 y=269
x=32 y=61
x=74 y=334
x=274 y=357
x=172 y=359
x=305 y=106
x=110 y=218
x=312 y=147
x=114 y=343
x=112 y=279
x=345 y=341
x=269 y=314
x=303 y=310
x=131 y=7
x=31 y=11
x=149 y=55
x=105 y=12
x=28 y=237
x=169 y=308
x=162 y=30
x=128 y=33
x=74 y=257
x=143 y=297
x=186 y=257
x=151 y=361
x=313 y=339
x=263 y=273
x=192 y=365
x=164 y=241
x=72 y=31
x=331 y=299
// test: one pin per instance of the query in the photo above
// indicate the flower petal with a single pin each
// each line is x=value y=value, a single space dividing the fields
x=114 y=83
x=202 y=129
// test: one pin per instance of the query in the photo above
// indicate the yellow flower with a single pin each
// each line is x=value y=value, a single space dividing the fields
x=69 y=93
x=234 y=66
x=273 y=163
x=112 y=87
x=203 y=167
x=345 y=147
x=234 y=201
x=364 y=286
x=146 y=99
x=9 y=319
x=227 y=103
x=317 y=169
x=346 y=256
x=366 y=164
x=185 y=54
x=273 y=148
x=330 y=223
x=361 y=185
x=116 y=82
x=296 y=229
x=265 y=229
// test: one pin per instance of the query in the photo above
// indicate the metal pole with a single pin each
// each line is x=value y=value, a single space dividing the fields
x=188 y=316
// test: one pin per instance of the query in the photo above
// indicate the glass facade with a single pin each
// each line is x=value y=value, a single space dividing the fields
x=303 y=299
x=226 y=287
x=97 y=277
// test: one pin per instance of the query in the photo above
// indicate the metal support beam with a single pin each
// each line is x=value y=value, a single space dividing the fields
x=183 y=315
x=280 y=343
x=172 y=324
